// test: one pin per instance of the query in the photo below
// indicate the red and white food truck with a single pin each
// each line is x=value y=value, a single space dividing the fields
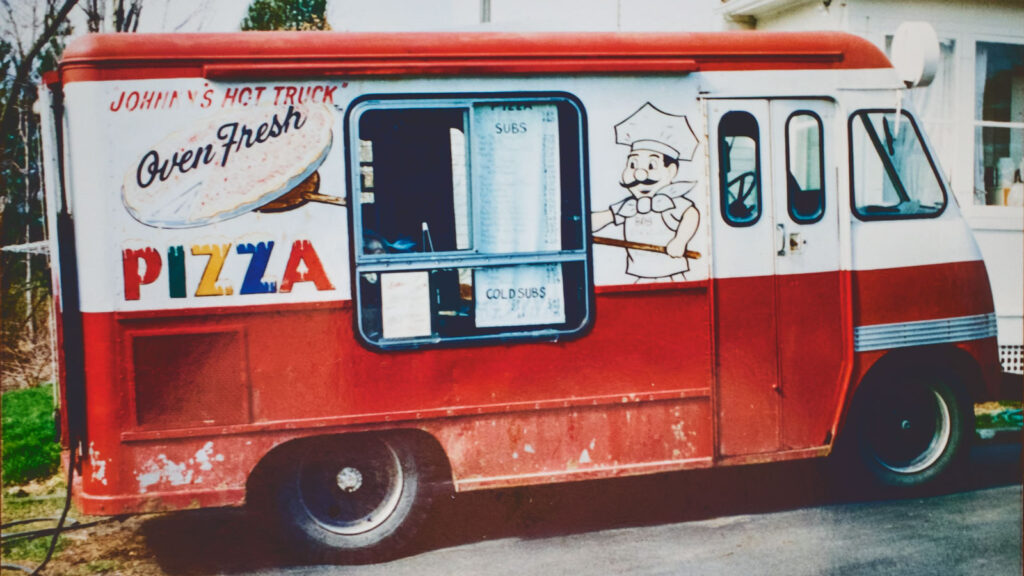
x=339 y=274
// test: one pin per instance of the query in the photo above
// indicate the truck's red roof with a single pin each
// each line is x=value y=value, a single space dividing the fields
x=295 y=54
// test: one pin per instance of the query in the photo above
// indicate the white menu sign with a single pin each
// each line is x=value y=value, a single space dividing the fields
x=517 y=196
x=405 y=304
x=519 y=296
x=516 y=178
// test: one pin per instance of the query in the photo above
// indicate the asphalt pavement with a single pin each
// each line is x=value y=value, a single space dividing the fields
x=768 y=519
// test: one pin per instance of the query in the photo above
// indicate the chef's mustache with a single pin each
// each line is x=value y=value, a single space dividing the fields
x=646 y=182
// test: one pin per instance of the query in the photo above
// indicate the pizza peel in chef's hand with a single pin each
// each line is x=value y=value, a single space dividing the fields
x=215 y=182
x=640 y=246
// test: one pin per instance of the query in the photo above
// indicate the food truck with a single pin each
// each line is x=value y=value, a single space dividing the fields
x=337 y=275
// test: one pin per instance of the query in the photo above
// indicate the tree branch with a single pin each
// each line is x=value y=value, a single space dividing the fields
x=25 y=66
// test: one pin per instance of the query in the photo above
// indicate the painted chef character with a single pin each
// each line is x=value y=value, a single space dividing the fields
x=658 y=220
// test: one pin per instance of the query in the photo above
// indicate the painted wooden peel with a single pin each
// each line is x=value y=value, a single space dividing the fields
x=306 y=191
x=639 y=246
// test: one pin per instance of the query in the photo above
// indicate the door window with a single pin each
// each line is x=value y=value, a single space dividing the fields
x=739 y=168
x=805 y=167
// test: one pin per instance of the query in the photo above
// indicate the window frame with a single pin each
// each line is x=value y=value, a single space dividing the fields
x=471 y=258
x=821 y=170
x=723 y=188
x=978 y=124
x=927 y=153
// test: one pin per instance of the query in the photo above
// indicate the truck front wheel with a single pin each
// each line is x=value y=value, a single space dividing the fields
x=353 y=498
x=912 y=429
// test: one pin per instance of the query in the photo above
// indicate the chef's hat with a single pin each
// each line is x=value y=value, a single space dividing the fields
x=651 y=129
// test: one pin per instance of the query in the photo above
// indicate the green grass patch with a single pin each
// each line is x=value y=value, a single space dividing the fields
x=29 y=450
x=998 y=415
x=31 y=551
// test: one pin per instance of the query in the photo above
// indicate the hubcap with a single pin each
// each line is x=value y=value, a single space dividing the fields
x=351 y=487
x=349 y=479
x=910 y=428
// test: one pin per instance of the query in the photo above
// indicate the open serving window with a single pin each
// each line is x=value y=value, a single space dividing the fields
x=468 y=218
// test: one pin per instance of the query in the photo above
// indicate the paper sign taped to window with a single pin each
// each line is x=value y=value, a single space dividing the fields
x=517 y=181
x=519 y=296
x=405 y=304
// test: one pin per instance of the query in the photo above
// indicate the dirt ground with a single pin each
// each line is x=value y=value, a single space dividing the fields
x=113 y=546
x=203 y=542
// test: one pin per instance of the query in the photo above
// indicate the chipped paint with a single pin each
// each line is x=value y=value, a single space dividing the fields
x=99 y=466
x=528 y=449
x=205 y=456
x=584 y=457
x=161 y=469
x=678 y=432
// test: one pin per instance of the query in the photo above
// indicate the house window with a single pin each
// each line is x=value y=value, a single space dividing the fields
x=468 y=220
x=999 y=124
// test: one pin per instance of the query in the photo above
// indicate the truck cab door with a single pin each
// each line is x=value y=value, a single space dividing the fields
x=777 y=298
x=808 y=295
x=743 y=233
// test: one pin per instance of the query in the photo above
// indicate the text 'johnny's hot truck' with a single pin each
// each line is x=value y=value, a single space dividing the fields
x=337 y=275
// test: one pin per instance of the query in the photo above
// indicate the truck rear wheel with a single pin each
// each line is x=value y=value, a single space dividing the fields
x=353 y=498
x=912 y=429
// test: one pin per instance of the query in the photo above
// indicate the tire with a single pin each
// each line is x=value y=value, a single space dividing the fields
x=351 y=499
x=912 y=429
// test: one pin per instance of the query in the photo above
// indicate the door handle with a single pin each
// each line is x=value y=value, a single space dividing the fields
x=780 y=237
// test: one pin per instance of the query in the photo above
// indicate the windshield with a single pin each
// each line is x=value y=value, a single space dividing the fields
x=892 y=173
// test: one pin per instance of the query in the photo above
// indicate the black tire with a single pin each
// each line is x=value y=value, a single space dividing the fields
x=351 y=499
x=912 y=429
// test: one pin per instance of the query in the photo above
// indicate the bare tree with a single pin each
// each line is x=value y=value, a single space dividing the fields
x=33 y=30
x=127 y=21
x=53 y=21
x=95 y=13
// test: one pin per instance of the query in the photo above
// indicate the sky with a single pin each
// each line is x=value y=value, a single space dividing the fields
x=397 y=15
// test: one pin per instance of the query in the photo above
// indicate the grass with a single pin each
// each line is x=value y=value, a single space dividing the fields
x=31 y=552
x=998 y=415
x=29 y=450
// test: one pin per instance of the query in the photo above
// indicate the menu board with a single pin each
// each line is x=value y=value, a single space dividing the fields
x=516 y=178
x=405 y=304
x=517 y=200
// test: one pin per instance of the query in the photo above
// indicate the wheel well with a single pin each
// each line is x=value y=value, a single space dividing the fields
x=942 y=358
x=259 y=485
x=946 y=359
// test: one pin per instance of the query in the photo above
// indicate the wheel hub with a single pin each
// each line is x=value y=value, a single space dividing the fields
x=913 y=429
x=349 y=479
x=351 y=488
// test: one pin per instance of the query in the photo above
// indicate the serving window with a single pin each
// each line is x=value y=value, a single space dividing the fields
x=468 y=218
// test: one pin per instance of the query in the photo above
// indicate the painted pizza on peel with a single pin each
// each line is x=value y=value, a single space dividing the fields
x=228 y=164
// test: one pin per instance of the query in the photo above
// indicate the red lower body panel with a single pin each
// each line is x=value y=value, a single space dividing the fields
x=181 y=406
